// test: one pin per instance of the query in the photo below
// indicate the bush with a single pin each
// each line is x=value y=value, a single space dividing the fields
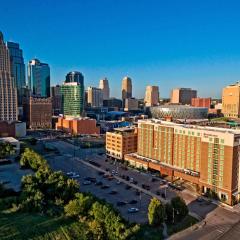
x=156 y=212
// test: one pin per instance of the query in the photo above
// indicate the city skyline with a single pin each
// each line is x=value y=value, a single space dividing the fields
x=185 y=44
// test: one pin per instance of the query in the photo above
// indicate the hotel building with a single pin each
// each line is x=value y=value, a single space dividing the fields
x=205 y=156
x=120 y=142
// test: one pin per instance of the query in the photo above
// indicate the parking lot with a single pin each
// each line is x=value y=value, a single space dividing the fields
x=115 y=192
x=72 y=158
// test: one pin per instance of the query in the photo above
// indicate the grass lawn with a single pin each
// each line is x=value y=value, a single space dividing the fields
x=188 y=221
x=149 y=233
x=16 y=226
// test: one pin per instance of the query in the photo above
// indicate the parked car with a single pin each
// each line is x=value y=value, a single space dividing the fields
x=118 y=182
x=133 y=210
x=87 y=182
x=98 y=183
x=113 y=192
x=133 y=202
x=127 y=187
x=137 y=193
x=120 y=203
x=105 y=186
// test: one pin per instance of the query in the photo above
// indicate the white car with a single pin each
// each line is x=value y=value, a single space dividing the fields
x=87 y=183
x=133 y=210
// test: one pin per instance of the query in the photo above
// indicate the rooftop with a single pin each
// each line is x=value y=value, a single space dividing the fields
x=9 y=139
x=189 y=126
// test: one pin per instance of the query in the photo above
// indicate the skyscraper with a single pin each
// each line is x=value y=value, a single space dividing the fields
x=95 y=97
x=39 y=78
x=56 y=100
x=8 y=91
x=151 y=96
x=103 y=84
x=75 y=77
x=231 y=100
x=126 y=88
x=72 y=92
x=17 y=69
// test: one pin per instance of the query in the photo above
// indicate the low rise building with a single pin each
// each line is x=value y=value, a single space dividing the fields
x=78 y=125
x=201 y=102
x=120 y=142
x=131 y=104
x=12 y=129
x=205 y=156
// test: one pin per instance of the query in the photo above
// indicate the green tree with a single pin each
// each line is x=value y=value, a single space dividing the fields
x=179 y=207
x=169 y=212
x=79 y=206
x=6 y=149
x=156 y=212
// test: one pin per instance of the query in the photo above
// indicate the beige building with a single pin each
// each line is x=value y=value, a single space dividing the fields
x=8 y=90
x=151 y=96
x=183 y=95
x=231 y=101
x=131 y=104
x=95 y=97
x=103 y=84
x=120 y=142
x=126 y=89
x=205 y=156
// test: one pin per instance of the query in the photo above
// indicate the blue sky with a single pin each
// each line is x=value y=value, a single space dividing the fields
x=173 y=43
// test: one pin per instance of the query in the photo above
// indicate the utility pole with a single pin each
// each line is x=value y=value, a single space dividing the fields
x=173 y=214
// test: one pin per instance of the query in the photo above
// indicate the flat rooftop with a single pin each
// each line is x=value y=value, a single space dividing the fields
x=190 y=126
x=124 y=129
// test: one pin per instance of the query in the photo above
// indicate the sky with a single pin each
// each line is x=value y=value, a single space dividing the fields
x=168 y=43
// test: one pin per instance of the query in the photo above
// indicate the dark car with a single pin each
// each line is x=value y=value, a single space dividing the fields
x=147 y=187
x=105 y=186
x=137 y=193
x=113 y=192
x=158 y=193
x=133 y=202
x=127 y=187
x=100 y=173
x=121 y=203
x=98 y=183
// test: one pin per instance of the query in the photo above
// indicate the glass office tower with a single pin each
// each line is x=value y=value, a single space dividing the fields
x=39 y=78
x=75 y=77
x=17 y=68
x=73 y=95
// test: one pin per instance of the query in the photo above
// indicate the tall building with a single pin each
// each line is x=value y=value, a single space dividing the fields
x=38 y=112
x=72 y=92
x=103 y=84
x=56 y=99
x=39 y=78
x=204 y=156
x=183 y=95
x=151 y=96
x=75 y=76
x=126 y=89
x=8 y=90
x=95 y=97
x=201 y=102
x=231 y=100
x=17 y=69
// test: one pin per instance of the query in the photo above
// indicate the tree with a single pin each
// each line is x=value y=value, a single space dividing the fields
x=6 y=149
x=179 y=207
x=79 y=206
x=169 y=212
x=156 y=212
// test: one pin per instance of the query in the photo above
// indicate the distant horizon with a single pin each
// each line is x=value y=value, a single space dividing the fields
x=171 y=45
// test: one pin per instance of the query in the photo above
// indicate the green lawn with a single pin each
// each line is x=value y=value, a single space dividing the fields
x=16 y=226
